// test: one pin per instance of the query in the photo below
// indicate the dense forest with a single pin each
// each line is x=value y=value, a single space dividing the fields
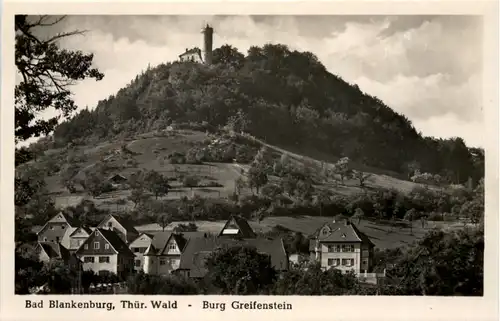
x=288 y=98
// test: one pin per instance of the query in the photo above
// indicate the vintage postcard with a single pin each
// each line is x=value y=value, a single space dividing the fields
x=328 y=161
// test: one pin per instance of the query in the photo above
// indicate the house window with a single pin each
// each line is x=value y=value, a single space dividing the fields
x=79 y=242
x=162 y=262
x=331 y=248
x=103 y=259
x=325 y=231
x=86 y=246
x=57 y=238
x=330 y=262
x=333 y=262
x=106 y=246
x=351 y=248
x=344 y=248
x=365 y=262
x=137 y=263
x=110 y=224
x=51 y=227
x=172 y=246
x=348 y=262
x=45 y=239
x=63 y=227
x=96 y=245
x=88 y=259
x=136 y=250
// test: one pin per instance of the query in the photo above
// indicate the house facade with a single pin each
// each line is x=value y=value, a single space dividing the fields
x=125 y=230
x=192 y=55
x=139 y=247
x=342 y=246
x=77 y=237
x=55 y=228
x=104 y=251
x=163 y=256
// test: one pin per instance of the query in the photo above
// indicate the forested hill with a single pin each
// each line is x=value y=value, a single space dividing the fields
x=286 y=98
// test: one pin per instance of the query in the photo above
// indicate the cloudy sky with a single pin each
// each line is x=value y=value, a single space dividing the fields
x=426 y=67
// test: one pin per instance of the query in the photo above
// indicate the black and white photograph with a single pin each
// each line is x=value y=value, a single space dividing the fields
x=263 y=155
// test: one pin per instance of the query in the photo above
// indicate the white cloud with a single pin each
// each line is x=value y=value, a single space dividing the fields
x=429 y=72
x=473 y=132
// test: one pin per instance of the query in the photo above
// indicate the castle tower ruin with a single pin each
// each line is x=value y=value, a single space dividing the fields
x=208 y=33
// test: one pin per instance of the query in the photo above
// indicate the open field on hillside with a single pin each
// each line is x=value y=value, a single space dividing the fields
x=150 y=151
x=382 y=235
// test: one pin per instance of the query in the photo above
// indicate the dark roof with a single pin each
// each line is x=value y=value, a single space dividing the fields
x=68 y=217
x=123 y=222
x=245 y=230
x=140 y=235
x=198 y=249
x=115 y=241
x=160 y=239
x=341 y=232
x=55 y=250
x=180 y=240
x=117 y=177
x=83 y=227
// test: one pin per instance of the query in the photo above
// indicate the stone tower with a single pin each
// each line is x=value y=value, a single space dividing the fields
x=208 y=33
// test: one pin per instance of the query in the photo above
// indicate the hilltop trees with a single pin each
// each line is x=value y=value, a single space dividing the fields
x=277 y=101
x=47 y=73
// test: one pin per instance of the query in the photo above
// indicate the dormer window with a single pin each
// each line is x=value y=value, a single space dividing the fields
x=110 y=224
x=325 y=231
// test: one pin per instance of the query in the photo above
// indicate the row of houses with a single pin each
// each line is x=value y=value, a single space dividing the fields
x=114 y=245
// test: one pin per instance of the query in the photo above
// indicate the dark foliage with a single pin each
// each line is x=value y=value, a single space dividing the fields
x=240 y=271
x=442 y=263
x=142 y=283
x=47 y=73
x=284 y=97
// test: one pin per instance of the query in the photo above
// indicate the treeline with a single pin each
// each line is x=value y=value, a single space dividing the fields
x=288 y=99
